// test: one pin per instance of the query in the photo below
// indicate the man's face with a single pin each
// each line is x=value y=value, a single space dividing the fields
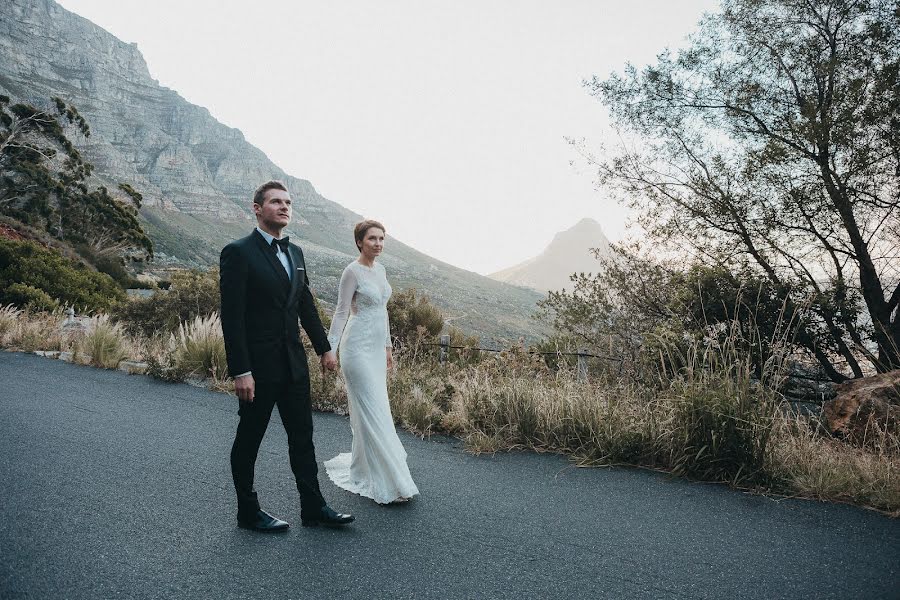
x=274 y=214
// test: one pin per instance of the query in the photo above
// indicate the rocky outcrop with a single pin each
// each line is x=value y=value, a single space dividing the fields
x=861 y=404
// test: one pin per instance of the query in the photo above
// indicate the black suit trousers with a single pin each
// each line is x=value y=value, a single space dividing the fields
x=293 y=401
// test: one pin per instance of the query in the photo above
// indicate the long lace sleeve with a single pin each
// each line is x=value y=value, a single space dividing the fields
x=387 y=318
x=387 y=327
x=346 y=289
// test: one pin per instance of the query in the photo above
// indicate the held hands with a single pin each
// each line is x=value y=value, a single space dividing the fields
x=328 y=361
x=245 y=388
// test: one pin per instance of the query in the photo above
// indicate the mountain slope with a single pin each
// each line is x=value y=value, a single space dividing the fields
x=197 y=175
x=569 y=252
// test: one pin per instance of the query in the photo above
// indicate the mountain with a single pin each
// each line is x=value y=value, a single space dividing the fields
x=569 y=252
x=197 y=175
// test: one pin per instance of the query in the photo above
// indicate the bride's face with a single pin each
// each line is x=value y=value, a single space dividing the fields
x=372 y=243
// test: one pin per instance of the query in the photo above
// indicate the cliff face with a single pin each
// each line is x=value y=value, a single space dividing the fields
x=174 y=152
x=197 y=175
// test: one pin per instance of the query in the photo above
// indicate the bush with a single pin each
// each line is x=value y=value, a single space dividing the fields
x=159 y=354
x=191 y=294
x=414 y=319
x=30 y=297
x=114 y=266
x=41 y=274
x=639 y=307
x=464 y=351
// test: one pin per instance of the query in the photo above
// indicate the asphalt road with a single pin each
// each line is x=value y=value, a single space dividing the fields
x=118 y=486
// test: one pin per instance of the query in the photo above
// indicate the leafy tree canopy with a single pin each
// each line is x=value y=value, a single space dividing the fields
x=772 y=144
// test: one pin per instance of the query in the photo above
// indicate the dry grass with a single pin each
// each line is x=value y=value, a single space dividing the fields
x=9 y=316
x=806 y=463
x=105 y=344
x=713 y=422
x=327 y=390
x=27 y=332
x=200 y=348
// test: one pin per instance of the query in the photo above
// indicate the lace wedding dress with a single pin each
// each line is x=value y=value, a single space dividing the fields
x=376 y=467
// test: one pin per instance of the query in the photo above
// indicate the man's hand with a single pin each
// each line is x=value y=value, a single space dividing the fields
x=390 y=358
x=245 y=387
x=328 y=361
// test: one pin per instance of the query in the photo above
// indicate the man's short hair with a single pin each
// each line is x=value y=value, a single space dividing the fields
x=260 y=194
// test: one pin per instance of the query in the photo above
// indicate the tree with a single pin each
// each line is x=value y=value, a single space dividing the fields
x=640 y=308
x=774 y=140
x=44 y=182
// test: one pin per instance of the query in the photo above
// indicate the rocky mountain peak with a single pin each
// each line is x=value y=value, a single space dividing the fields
x=569 y=252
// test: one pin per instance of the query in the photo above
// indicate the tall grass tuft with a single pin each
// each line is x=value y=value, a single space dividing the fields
x=200 y=348
x=9 y=316
x=721 y=416
x=30 y=331
x=105 y=344
x=806 y=463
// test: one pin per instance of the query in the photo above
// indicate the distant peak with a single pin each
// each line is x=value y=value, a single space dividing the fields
x=586 y=229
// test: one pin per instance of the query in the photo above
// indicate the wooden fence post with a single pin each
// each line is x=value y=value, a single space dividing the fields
x=445 y=348
x=582 y=369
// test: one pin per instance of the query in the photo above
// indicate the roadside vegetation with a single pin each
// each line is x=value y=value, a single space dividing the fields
x=708 y=415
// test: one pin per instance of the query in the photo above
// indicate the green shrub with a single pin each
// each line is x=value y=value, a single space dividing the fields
x=30 y=297
x=191 y=294
x=464 y=347
x=414 y=319
x=41 y=273
x=160 y=358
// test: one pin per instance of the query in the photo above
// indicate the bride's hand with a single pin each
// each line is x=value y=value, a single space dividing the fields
x=390 y=359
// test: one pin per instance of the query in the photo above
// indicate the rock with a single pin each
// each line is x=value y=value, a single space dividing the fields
x=133 y=367
x=860 y=403
x=67 y=356
x=47 y=353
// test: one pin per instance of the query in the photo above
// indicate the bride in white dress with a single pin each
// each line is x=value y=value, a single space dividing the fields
x=376 y=468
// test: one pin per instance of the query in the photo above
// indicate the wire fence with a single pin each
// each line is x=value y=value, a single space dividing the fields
x=815 y=393
x=581 y=368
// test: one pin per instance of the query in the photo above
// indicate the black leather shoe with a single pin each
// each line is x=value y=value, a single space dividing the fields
x=263 y=521
x=326 y=516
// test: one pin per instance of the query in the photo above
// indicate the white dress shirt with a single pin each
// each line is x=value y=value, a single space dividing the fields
x=282 y=257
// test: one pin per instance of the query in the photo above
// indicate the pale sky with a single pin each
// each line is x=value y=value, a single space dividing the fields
x=445 y=120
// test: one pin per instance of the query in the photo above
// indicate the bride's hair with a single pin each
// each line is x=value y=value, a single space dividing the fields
x=359 y=232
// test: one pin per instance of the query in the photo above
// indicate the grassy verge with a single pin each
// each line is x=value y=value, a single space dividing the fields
x=710 y=421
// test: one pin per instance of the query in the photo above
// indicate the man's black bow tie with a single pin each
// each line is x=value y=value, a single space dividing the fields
x=283 y=242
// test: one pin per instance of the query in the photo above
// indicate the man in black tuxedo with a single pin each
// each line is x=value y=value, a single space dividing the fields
x=265 y=292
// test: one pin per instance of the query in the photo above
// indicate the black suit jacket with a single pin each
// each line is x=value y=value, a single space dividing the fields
x=261 y=309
